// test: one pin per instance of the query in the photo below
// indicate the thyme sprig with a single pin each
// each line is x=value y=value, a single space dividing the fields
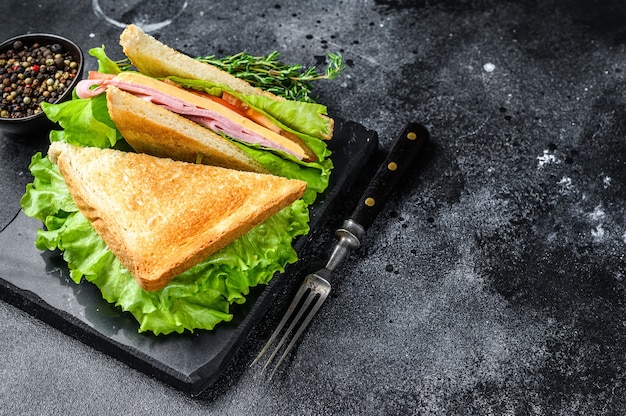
x=293 y=82
x=124 y=64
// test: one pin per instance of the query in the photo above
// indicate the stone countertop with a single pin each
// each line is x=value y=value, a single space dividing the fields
x=492 y=283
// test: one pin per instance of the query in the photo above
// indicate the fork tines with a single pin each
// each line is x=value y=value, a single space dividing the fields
x=309 y=298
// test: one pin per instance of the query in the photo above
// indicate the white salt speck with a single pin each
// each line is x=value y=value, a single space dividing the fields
x=489 y=67
x=92 y=35
x=597 y=233
x=606 y=181
x=546 y=158
x=566 y=184
x=565 y=181
x=597 y=214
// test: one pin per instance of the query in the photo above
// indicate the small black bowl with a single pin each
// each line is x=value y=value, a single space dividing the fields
x=39 y=123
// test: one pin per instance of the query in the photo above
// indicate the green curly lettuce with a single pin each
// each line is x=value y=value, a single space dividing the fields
x=199 y=298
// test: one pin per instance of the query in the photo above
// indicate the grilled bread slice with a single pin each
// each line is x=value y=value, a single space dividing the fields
x=149 y=128
x=160 y=217
x=158 y=60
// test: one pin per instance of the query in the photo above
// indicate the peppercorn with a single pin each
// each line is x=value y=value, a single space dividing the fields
x=31 y=74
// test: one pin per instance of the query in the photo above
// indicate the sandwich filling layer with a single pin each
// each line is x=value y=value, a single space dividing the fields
x=219 y=117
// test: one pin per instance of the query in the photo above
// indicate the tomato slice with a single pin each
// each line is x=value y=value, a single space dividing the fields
x=99 y=75
x=220 y=101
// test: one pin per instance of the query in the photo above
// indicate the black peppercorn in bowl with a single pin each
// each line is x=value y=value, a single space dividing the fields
x=36 y=68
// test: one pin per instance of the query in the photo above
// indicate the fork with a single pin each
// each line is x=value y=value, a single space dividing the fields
x=316 y=286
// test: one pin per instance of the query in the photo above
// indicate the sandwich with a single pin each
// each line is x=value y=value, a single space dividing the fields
x=174 y=219
x=160 y=217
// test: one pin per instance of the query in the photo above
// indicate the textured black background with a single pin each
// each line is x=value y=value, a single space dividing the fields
x=494 y=281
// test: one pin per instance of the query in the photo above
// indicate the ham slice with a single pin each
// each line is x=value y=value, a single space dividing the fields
x=210 y=119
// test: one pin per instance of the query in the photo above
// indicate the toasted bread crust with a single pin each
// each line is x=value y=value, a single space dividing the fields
x=156 y=131
x=160 y=217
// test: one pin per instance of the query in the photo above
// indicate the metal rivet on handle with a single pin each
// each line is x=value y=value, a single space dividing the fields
x=411 y=135
x=370 y=202
x=392 y=166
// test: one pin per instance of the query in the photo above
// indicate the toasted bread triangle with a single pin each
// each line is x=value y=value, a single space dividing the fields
x=160 y=217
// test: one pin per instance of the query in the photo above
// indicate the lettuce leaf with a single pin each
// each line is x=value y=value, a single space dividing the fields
x=199 y=298
x=299 y=116
x=105 y=64
x=84 y=121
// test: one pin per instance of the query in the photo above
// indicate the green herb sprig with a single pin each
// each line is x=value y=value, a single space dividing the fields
x=293 y=82
x=124 y=64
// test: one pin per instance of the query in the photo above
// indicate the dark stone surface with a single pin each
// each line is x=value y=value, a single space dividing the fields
x=494 y=281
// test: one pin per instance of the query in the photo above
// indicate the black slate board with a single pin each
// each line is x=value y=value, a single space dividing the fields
x=39 y=283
